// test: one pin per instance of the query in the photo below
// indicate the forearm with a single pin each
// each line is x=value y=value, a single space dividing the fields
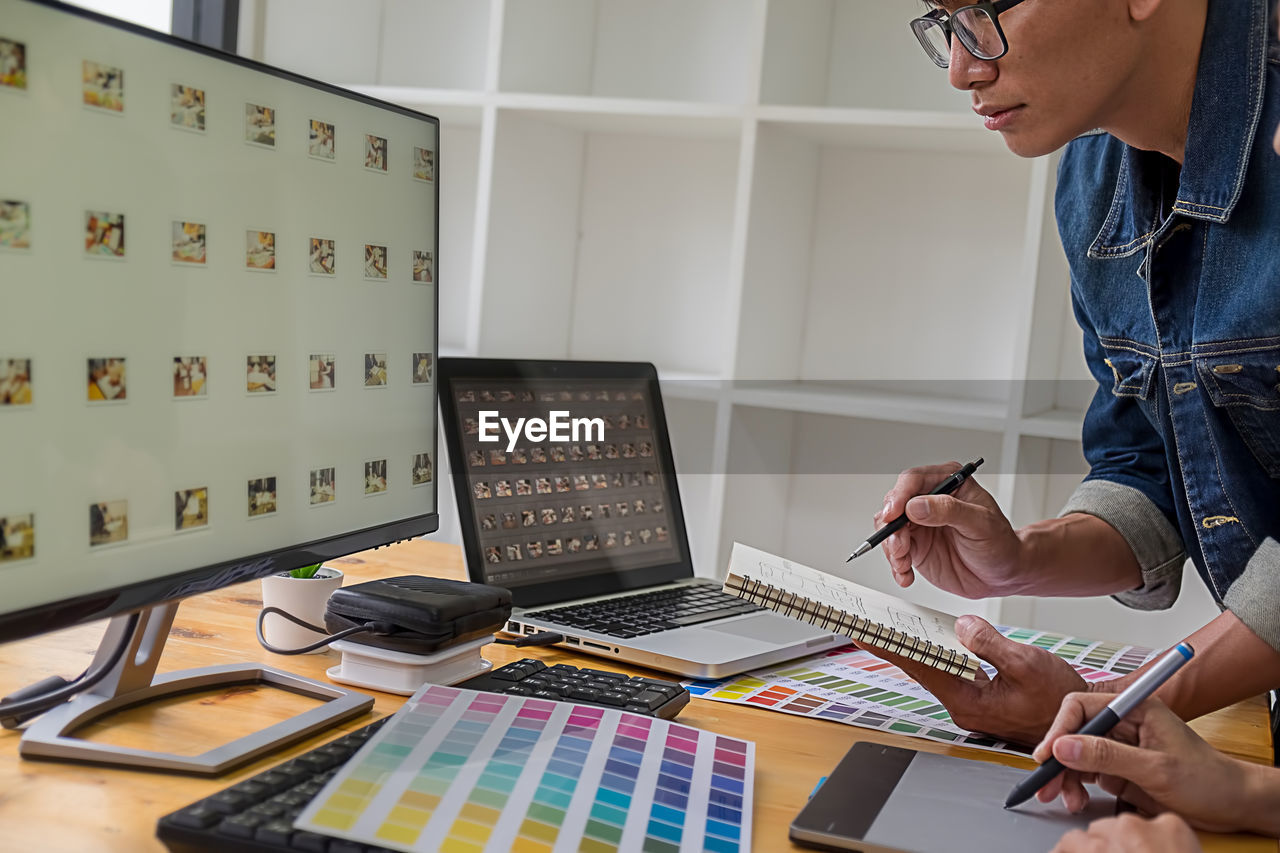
x=1076 y=555
x=1231 y=663
x=1260 y=810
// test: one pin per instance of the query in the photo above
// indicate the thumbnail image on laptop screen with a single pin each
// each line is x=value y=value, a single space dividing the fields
x=565 y=478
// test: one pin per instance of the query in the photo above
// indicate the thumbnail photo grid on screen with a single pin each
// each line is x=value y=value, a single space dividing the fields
x=599 y=494
x=107 y=383
x=107 y=231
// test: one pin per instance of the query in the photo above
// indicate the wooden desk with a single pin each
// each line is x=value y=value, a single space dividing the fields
x=50 y=806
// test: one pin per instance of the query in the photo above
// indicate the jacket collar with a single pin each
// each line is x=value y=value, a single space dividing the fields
x=1225 y=110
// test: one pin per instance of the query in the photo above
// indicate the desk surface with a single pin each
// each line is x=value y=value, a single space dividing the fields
x=51 y=806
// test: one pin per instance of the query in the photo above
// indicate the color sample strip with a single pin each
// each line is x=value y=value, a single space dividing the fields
x=698 y=687
x=350 y=800
x=542 y=821
x=479 y=816
x=728 y=773
x=1091 y=675
x=772 y=696
x=665 y=828
x=1047 y=641
x=416 y=805
x=605 y=821
x=805 y=703
x=726 y=805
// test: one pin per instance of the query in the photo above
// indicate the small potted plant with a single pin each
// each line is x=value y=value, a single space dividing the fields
x=302 y=592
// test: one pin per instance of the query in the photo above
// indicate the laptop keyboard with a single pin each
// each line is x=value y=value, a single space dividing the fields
x=649 y=612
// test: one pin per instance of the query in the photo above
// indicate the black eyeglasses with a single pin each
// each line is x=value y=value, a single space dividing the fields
x=977 y=27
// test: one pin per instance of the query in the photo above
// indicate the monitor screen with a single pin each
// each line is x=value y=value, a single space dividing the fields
x=564 y=476
x=218 y=319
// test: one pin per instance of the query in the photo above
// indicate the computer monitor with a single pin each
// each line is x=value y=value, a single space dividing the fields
x=218 y=327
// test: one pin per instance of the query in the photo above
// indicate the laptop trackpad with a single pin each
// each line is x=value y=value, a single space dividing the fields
x=766 y=626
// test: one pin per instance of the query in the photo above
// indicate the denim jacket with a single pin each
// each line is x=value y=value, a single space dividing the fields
x=1175 y=282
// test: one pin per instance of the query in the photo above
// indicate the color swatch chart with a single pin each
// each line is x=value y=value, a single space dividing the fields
x=848 y=685
x=460 y=771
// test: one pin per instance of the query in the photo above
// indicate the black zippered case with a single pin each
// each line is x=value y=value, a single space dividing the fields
x=430 y=614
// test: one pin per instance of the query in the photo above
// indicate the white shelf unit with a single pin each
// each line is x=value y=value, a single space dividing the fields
x=781 y=203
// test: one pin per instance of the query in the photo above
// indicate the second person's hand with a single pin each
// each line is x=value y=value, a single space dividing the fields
x=1153 y=760
x=961 y=543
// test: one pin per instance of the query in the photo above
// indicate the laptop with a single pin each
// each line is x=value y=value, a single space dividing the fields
x=567 y=496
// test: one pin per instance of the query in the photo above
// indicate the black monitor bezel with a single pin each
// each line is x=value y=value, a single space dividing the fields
x=64 y=613
x=532 y=595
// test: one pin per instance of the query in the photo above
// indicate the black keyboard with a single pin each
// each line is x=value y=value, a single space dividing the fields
x=563 y=683
x=649 y=612
x=257 y=814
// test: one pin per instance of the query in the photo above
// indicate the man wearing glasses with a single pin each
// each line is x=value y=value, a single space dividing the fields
x=1168 y=207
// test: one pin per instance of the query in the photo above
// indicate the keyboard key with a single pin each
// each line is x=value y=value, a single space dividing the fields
x=228 y=802
x=253 y=788
x=651 y=699
x=273 y=781
x=240 y=825
x=605 y=675
x=267 y=810
x=697 y=618
x=290 y=799
x=274 y=832
x=664 y=689
x=198 y=816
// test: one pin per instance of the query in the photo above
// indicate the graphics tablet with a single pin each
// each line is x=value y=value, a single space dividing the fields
x=885 y=799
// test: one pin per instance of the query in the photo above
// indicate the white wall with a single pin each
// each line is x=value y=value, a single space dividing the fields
x=156 y=14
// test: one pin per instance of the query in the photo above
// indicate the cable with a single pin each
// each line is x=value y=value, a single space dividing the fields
x=542 y=638
x=19 y=707
x=377 y=628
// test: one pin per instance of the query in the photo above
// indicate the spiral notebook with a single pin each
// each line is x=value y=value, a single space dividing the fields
x=863 y=614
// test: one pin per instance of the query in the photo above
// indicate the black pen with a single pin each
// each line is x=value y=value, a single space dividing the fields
x=1105 y=721
x=946 y=487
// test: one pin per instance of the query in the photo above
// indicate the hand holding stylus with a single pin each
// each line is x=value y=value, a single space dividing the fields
x=1106 y=719
x=1157 y=763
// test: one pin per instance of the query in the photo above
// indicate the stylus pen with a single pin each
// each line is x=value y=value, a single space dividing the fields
x=946 y=487
x=1125 y=702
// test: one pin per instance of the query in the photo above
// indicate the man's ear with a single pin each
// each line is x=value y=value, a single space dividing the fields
x=1143 y=10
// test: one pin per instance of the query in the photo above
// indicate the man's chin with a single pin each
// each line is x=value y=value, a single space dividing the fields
x=1031 y=145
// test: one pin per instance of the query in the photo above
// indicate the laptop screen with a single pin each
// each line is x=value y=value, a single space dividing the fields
x=563 y=476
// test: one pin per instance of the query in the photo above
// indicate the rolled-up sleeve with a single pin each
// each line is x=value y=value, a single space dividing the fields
x=1154 y=540
x=1253 y=597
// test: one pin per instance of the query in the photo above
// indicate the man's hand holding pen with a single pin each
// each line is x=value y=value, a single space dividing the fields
x=960 y=542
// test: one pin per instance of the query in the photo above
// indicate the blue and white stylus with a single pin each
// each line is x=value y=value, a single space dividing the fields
x=1146 y=684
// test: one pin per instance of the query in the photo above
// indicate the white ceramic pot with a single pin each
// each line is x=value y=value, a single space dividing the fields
x=304 y=598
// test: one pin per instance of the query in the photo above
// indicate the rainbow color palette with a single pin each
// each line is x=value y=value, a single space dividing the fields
x=848 y=685
x=459 y=771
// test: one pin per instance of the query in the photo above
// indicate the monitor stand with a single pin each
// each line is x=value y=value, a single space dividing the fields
x=132 y=681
